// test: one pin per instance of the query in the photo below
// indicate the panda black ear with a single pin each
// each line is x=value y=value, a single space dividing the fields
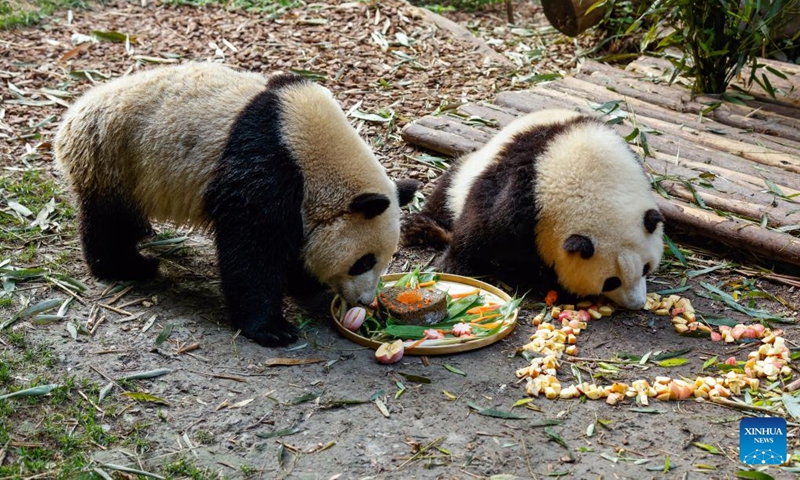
x=651 y=219
x=370 y=204
x=579 y=244
x=406 y=190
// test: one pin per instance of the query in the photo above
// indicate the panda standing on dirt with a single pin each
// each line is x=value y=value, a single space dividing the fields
x=555 y=199
x=294 y=195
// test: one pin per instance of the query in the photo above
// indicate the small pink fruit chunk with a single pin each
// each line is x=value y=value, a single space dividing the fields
x=433 y=334
x=716 y=337
x=462 y=329
x=731 y=361
x=354 y=318
x=390 y=352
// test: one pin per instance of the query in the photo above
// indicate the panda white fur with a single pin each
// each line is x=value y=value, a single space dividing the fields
x=295 y=197
x=554 y=197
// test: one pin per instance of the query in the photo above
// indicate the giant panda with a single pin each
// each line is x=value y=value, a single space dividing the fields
x=555 y=199
x=295 y=197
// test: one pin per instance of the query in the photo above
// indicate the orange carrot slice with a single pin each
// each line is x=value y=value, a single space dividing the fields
x=482 y=309
x=474 y=291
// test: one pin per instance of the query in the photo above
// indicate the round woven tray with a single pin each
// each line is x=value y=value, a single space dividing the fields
x=452 y=283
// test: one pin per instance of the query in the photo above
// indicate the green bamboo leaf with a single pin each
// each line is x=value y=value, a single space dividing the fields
x=775 y=71
x=105 y=391
x=304 y=398
x=372 y=117
x=144 y=375
x=709 y=448
x=671 y=291
x=676 y=251
x=145 y=397
x=709 y=362
x=454 y=370
x=112 y=36
x=310 y=74
x=673 y=362
x=279 y=433
x=774 y=188
x=768 y=86
x=164 y=335
x=753 y=475
x=521 y=402
x=792 y=405
x=40 y=307
x=731 y=302
x=21 y=274
x=341 y=402
x=646 y=410
x=32 y=392
x=556 y=437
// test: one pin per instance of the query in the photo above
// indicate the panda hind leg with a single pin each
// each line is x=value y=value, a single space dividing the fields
x=110 y=228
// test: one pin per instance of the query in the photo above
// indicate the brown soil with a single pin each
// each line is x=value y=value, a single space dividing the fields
x=223 y=395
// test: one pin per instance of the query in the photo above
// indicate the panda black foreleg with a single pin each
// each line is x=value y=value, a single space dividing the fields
x=253 y=259
x=110 y=228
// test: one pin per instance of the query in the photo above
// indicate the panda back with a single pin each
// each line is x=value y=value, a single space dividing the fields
x=472 y=166
x=155 y=136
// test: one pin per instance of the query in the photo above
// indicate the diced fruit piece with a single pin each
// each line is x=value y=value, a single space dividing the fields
x=390 y=352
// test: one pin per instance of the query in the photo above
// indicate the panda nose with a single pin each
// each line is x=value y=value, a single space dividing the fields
x=371 y=303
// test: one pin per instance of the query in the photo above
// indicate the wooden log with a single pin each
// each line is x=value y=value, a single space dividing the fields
x=789 y=87
x=776 y=217
x=773 y=245
x=569 y=16
x=446 y=142
x=780 y=121
x=758 y=108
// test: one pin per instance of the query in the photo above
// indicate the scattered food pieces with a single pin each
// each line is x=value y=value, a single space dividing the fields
x=770 y=360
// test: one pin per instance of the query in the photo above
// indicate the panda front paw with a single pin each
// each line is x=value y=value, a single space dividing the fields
x=275 y=333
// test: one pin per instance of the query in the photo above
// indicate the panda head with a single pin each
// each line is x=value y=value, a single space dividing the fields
x=352 y=250
x=598 y=224
x=613 y=263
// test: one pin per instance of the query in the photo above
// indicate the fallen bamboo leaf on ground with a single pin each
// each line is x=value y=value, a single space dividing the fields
x=145 y=397
x=32 y=392
x=145 y=375
x=279 y=433
x=286 y=362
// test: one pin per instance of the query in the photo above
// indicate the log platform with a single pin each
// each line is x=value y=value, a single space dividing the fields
x=725 y=169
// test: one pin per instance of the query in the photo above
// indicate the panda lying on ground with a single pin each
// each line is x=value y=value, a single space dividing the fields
x=294 y=195
x=555 y=198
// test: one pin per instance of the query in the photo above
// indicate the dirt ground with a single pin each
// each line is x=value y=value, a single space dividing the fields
x=224 y=400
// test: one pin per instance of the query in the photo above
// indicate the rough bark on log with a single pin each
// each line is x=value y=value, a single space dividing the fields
x=774 y=245
x=790 y=86
x=757 y=118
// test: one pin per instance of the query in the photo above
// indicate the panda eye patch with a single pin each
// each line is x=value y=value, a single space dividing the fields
x=611 y=284
x=646 y=269
x=362 y=265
